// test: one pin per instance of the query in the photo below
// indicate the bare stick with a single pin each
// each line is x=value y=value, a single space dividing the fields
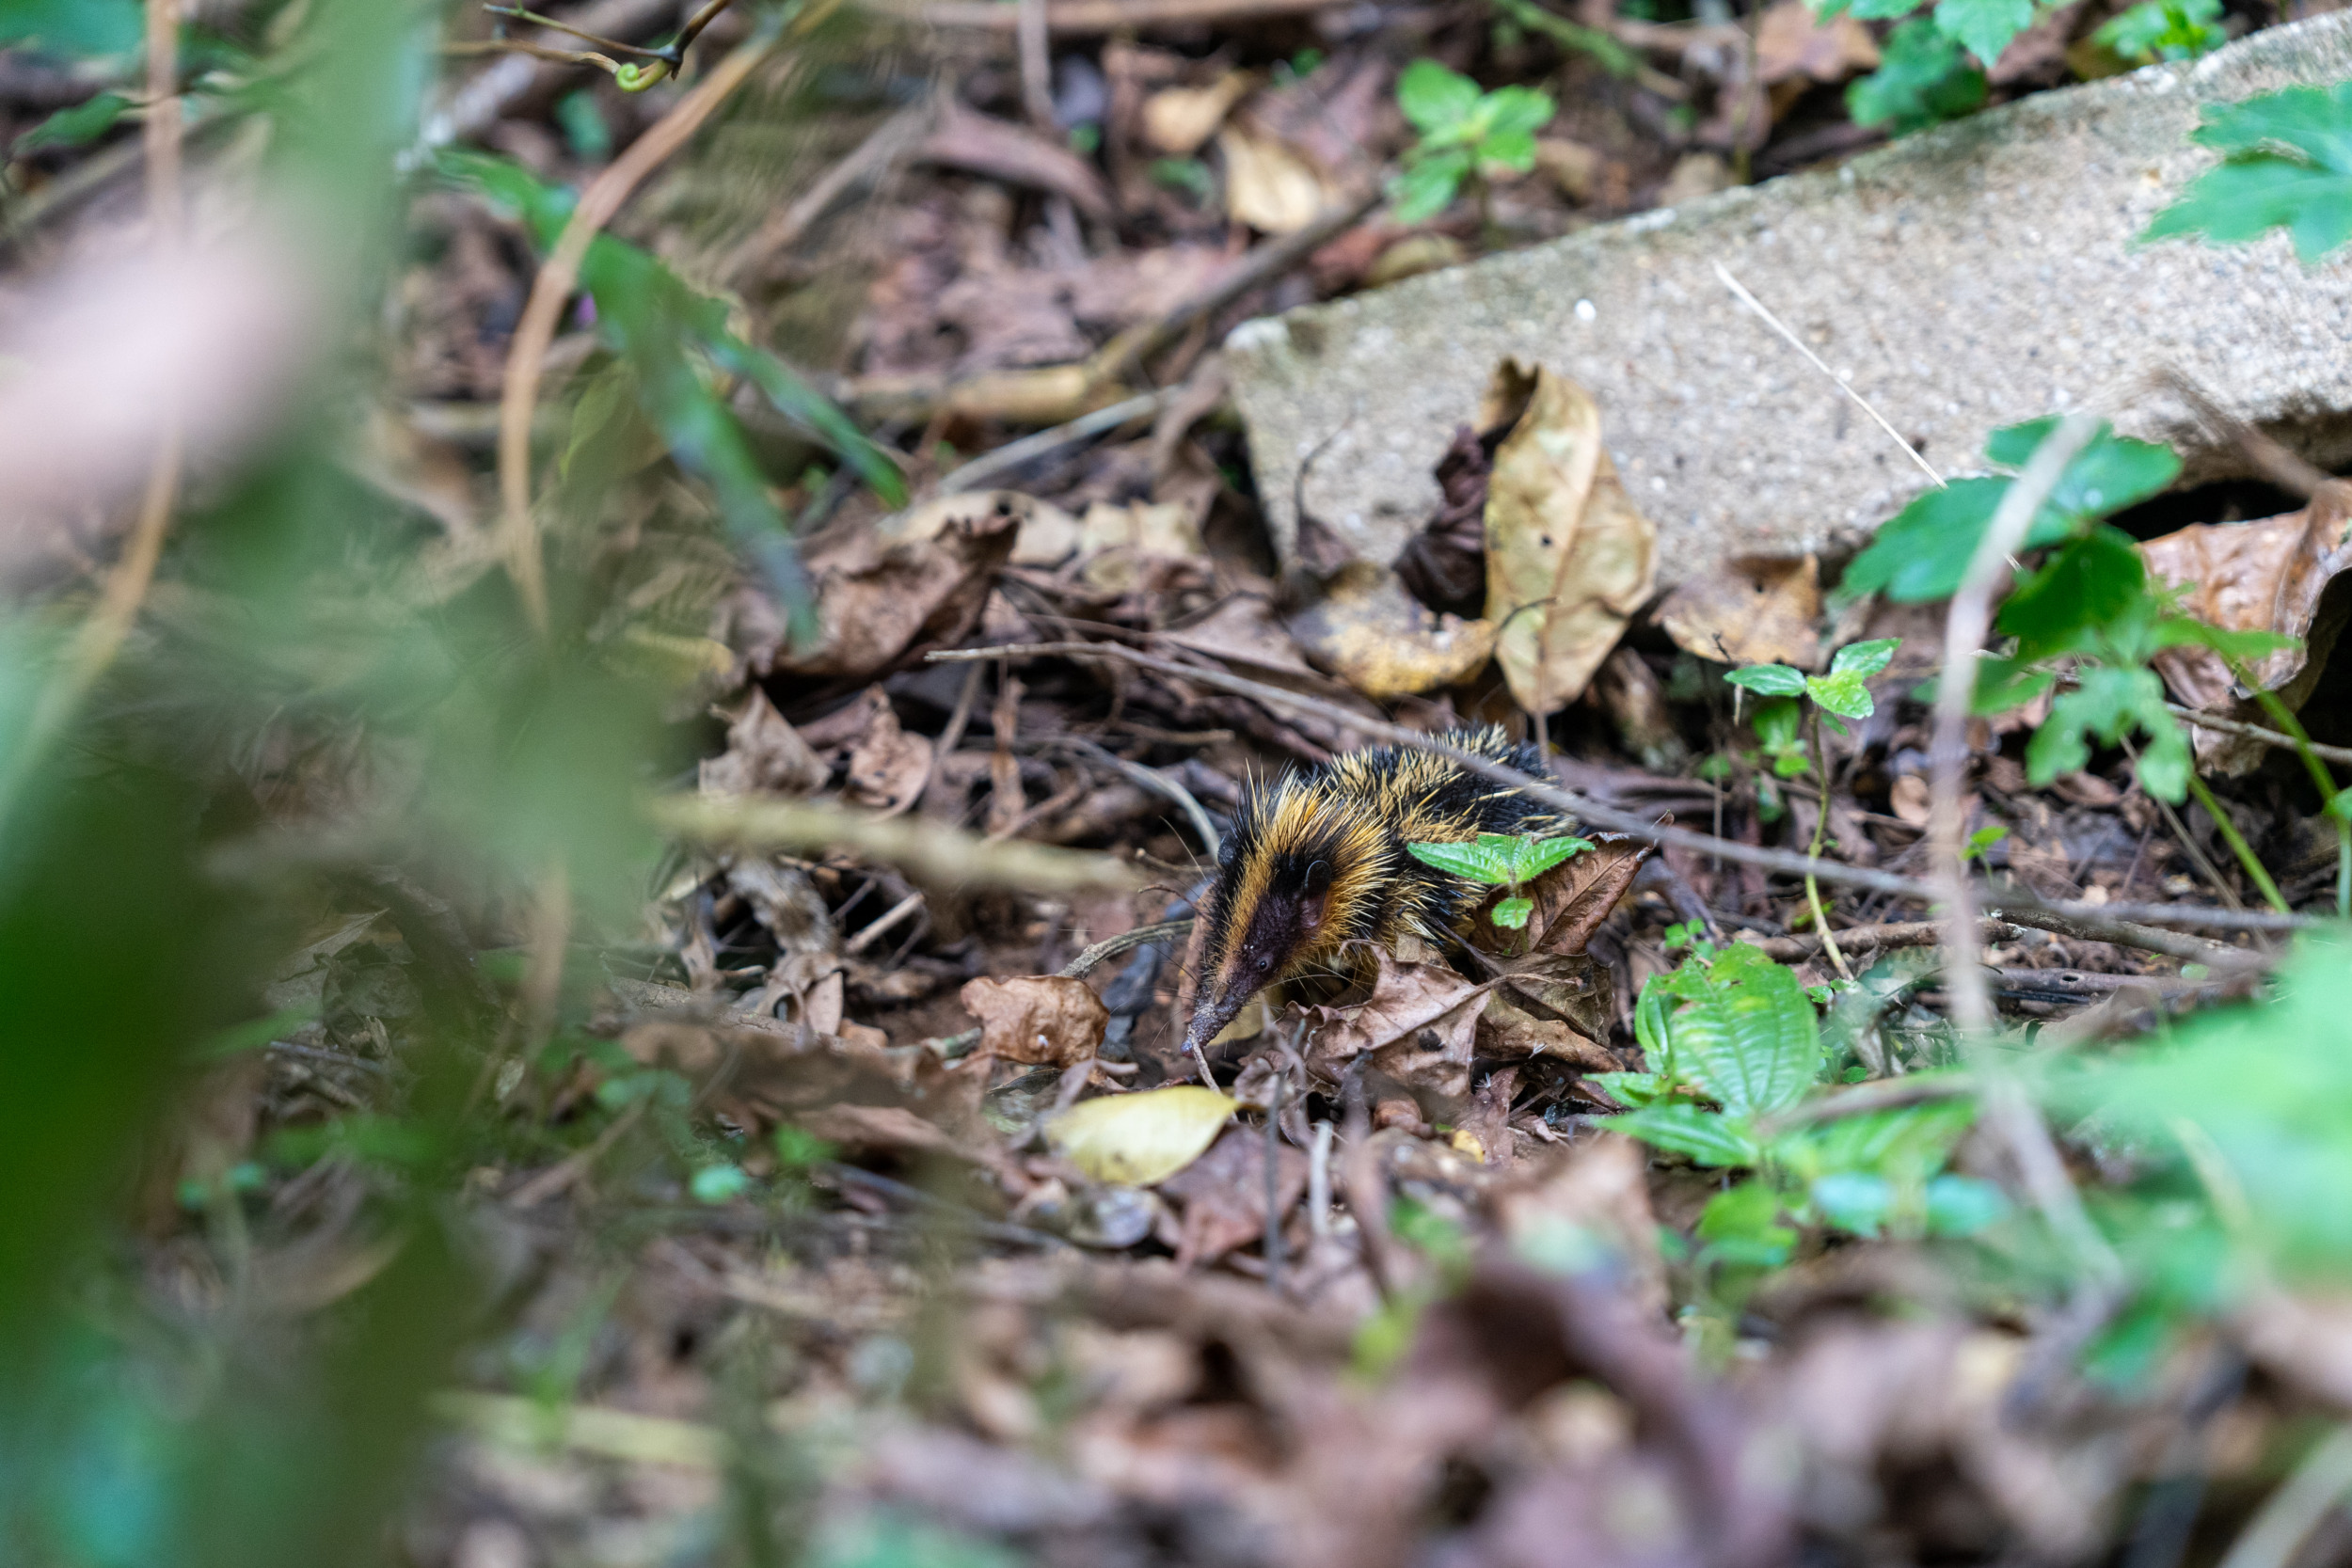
x=2112 y=920
x=535 y=333
x=2220 y=725
x=1843 y=385
x=1965 y=628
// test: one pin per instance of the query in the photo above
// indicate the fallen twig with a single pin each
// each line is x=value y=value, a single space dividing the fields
x=2111 y=922
x=557 y=276
x=927 y=850
x=2255 y=731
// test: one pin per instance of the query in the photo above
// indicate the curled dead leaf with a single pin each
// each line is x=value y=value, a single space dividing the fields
x=1363 y=627
x=2274 y=576
x=888 y=766
x=1224 y=1194
x=882 y=603
x=1751 y=610
x=1417 y=1029
x=1569 y=558
x=1791 y=42
x=1136 y=1140
x=1180 y=120
x=764 y=753
x=1045 y=1020
x=1267 y=185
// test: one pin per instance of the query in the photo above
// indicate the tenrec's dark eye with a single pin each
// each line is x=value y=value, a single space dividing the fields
x=1318 y=878
x=1227 y=851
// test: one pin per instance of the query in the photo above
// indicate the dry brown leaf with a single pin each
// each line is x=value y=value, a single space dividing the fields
x=1573 y=166
x=1507 y=1033
x=1223 y=1193
x=1790 y=41
x=1365 y=628
x=888 y=766
x=1412 y=256
x=1049 y=535
x=1571 y=988
x=1267 y=185
x=1179 y=120
x=882 y=604
x=1044 y=1019
x=1574 y=897
x=1752 y=609
x=2269 y=576
x=1417 y=1029
x=763 y=754
x=1568 y=557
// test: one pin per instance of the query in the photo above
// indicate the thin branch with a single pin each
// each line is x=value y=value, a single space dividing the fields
x=2220 y=725
x=1964 y=626
x=2112 y=921
x=1797 y=343
x=558 y=276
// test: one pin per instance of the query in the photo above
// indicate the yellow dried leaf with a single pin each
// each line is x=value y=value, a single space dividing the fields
x=1752 y=610
x=1267 y=185
x=1467 y=1143
x=1134 y=1140
x=1049 y=535
x=1569 y=558
x=1177 y=120
x=1366 y=629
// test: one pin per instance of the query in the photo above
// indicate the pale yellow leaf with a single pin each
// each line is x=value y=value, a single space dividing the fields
x=1569 y=558
x=1267 y=185
x=1135 y=1140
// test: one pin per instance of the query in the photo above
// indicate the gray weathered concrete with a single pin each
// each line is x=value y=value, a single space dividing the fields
x=1963 y=279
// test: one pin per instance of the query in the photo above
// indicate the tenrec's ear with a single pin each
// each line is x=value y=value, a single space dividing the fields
x=1318 y=891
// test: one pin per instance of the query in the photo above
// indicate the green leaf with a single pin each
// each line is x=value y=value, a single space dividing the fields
x=1704 y=1137
x=2091 y=581
x=74 y=126
x=1853 y=1200
x=1923 y=550
x=1427 y=188
x=1740 y=1225
x=2163 y=30
x=1776 y=724
x=1434 y=98
x=2110 y=474
x=1842 y=692
x=2108 y=703
x=1981 y=840
x=1984 y=25
x=1923 y=79
x=1961 y=1204
x=1477 y=862
x=1511 y=913
x=1865 y=659
x=1772 y=680
x=2002 y=684
x=1516 y=111
x=1526 y=859
x=1749 y=1037
x=1631 y=1089
x=77 y=27
x=2287 y=164
x=1876 y=11
x=1510 y=149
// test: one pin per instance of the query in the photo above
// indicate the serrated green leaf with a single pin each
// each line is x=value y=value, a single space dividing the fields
x=1750 y=1039
x=1511 y=913
x=1516 y=111
x=1984 y=25
x=2109 y=703
x=1135 y=1140
x=1631 y=1089
x=2163 y=30
x=1526 y=859
x=1772 y=680
x=1427 y=188
x=1841 y=692
x=2089 y=583
x=1510 y=149
x=1962 y=1205
x=1740 y=1225
x=1924 y=78
x=2287 y=165
x=1704 y=1137
x=1434 y=98
x=1865 y=659
x=1477 y=862
x=2108 y=475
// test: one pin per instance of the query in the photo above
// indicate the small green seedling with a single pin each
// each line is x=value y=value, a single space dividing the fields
x=2163 y=30
x=1842 y=692
x=1501 y=859
x=1979 y=841
x=1462 y=132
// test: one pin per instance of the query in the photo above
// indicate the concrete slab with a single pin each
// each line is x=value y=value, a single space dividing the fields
x=1963 y=279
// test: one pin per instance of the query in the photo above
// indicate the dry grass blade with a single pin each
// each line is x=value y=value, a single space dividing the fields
x=926 y=850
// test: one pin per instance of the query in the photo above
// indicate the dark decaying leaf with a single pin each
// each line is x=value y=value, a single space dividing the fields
x=1417 y=1029
x=881 y=606
x=1444 y=565
x=1222 y=1194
